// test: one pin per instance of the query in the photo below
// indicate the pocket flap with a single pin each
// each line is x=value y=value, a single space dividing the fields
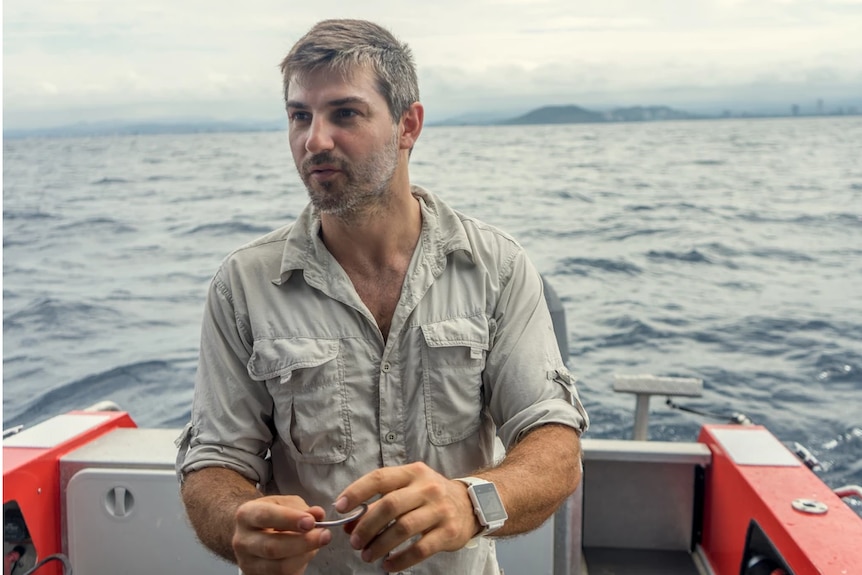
x=469 y=332
x=281 y=357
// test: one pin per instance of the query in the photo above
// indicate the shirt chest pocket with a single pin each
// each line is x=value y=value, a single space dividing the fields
x=305 y=377
x=453 y=359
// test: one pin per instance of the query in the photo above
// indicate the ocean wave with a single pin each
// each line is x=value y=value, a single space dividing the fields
x=56 y=316
x=569 y=195
x=841 y=218
x=163 y=178
x=691 y=256
x=584 y=266
x=639 y=232
x=826 y=220
x=839 y=368
x=781 y=254
x=664 y=206
x=27 y=214
x=223 y=228
x=631 y=331
x=100 y=225
x=125 y=385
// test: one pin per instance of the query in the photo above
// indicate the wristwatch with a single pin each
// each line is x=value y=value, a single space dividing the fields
x=487 y=504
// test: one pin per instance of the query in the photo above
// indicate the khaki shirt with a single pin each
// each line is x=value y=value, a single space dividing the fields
x=297 y=390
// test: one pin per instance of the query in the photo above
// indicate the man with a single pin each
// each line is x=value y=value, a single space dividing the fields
x=371 y=351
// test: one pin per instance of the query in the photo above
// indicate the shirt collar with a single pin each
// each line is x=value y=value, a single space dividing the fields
x=442 y=233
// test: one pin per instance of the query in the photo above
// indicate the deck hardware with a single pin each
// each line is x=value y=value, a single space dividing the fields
x=645 y=386
x=119 y=502
x=12 y=431
x=848 y=491
x=811 y=506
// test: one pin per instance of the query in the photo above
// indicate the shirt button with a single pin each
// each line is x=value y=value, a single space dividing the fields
x=390 y=437
x=386 y=367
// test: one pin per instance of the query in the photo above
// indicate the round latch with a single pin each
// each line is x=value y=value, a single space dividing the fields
x=811 y=506
x=119 y=502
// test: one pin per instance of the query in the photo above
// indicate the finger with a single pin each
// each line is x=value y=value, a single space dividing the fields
x=382 y=513
x=402 y=529
x=377 y=482
x=251 y=565
x=272 y=513
x=278 y=545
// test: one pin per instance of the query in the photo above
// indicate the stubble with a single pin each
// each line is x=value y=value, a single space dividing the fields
x=360 y=189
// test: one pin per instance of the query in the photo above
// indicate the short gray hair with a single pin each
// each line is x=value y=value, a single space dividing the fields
x=342 y=46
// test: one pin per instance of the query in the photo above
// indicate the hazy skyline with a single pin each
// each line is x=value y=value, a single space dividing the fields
x=90 y=60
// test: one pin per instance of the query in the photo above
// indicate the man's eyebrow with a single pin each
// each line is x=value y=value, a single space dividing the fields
x=332 y=103
x=348 y=100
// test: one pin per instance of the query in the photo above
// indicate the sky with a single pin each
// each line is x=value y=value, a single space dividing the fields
x=69 y=61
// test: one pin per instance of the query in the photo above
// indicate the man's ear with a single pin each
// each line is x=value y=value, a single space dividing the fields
x=410 y=126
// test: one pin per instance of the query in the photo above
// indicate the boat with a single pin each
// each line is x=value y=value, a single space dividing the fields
x=89 y=492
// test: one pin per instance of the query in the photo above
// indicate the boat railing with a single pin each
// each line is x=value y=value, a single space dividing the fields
x=645 y=386
x=848 y=491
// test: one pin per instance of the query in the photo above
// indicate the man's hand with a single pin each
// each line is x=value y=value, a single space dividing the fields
x=276 y=535
x=415 y=500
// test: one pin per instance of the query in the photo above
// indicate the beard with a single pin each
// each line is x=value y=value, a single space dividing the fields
x=358 y=188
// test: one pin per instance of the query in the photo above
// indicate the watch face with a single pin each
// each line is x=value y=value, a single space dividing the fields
x=489 y=501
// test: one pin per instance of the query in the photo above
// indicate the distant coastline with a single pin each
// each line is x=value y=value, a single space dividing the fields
x=570 y=114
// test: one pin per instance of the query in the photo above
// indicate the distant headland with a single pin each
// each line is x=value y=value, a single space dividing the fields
x=578 y=115
x=572 y=114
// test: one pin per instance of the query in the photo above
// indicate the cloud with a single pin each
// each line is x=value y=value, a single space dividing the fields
x=222 y=56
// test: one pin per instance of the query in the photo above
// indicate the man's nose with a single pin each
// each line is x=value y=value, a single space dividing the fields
x=319 y=136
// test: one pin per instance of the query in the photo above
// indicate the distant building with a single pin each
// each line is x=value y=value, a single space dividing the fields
x=794 y=109
x=820 y=105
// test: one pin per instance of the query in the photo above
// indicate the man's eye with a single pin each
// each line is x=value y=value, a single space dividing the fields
x=345 y=113
x=299 y=116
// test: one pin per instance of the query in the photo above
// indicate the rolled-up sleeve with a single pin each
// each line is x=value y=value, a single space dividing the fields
x=231 y=416
x=527 y=382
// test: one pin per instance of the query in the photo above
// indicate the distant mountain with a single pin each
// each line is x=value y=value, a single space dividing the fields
x=578 y=115
x=122 y=128
x=557 y=115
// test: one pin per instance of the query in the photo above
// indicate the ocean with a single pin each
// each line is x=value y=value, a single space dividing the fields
x=728 y=250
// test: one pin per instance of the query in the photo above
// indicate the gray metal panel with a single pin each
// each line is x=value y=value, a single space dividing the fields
x=132 y=521
x=568 y=521
x=640 y=562
x=638 y=505
x=127 y=447
x=646 y=451
x=532 y=553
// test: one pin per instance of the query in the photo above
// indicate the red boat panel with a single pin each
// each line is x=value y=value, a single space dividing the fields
x=31 y=476
x=737 y=492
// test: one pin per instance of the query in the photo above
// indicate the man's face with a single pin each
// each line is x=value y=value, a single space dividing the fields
x=343 y=141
